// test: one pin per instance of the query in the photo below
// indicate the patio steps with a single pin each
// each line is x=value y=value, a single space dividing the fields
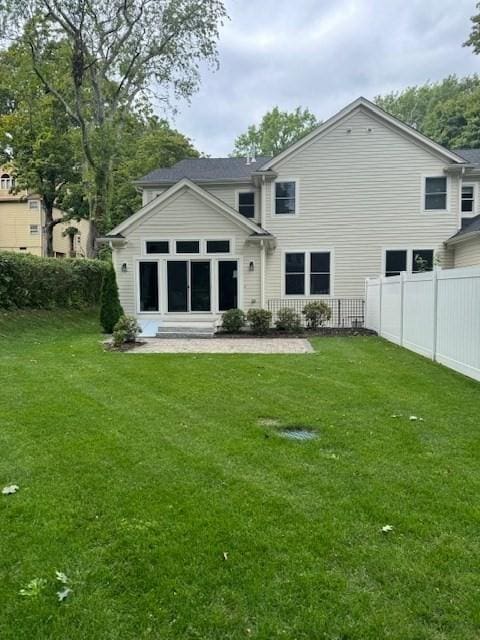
x=186 y=330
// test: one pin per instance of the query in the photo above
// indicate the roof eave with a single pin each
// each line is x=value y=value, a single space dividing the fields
x=456 y=239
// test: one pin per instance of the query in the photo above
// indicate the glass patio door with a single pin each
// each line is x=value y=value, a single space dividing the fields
x=188 y=283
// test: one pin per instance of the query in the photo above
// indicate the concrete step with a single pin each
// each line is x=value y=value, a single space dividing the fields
x=186 y=330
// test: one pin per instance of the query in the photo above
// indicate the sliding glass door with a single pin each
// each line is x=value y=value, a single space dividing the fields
x=189 y=285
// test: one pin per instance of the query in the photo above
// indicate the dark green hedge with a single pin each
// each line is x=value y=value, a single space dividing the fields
x=30 y=282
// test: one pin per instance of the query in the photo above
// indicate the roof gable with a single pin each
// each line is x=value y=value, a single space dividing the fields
x=220 y=206
x=363 y=103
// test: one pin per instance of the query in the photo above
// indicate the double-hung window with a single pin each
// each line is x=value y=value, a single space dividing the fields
x=307 y=273
x=246 y=203
x=34 y=229
x=435 y=194
x=285 y=198
x=468 y=199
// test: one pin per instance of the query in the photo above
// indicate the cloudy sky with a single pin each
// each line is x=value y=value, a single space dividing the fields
x=321 y=55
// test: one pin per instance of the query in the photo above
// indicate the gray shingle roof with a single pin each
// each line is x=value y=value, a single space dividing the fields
x=470 y=155
x=205 y=169
x=472 y=227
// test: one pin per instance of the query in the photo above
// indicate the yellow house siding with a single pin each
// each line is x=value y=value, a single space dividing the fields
x=360 y=189
x=15 y=220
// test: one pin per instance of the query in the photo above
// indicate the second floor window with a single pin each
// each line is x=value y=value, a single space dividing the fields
x=285 y=198
x=435 y=194
x=246 y=203
x=468 y=199
x=6 y=182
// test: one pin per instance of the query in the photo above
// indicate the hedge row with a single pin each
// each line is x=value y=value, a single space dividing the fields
x=28 y=281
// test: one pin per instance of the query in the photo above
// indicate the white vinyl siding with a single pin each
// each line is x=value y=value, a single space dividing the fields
x=467 y=253
x=361 y=191
x=186 y=217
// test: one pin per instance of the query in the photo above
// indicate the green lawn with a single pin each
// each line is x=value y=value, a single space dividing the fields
x=137 y=473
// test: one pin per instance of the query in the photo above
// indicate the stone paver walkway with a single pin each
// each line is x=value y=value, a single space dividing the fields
x=224 y=345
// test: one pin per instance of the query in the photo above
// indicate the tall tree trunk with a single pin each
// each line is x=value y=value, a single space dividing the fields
x=99 y=219
x=49 y=225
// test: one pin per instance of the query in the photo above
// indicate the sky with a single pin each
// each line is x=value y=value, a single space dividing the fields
x=321 y=55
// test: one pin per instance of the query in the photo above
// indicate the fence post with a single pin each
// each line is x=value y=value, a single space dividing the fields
x=435 y=312
x=380 y=305
x=402 y=304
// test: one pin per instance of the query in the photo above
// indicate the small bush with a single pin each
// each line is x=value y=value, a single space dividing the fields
x=259 y=320
x=110 y=308
x=288 y=320
x=125 y=330
x=233 y=320
x=316 y=313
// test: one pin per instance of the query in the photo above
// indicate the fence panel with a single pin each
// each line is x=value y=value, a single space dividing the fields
x=346 y=313
x=436 y=314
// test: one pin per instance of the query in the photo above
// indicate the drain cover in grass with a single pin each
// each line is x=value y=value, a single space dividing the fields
x=297 y=433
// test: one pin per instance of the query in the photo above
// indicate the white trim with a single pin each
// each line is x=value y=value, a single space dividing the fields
x=307 y=252
x=409 y=249
x=213 y=259
x=372 y=108
x=245 y=223
x=473 y=212
x=274 y=198
x=172 y=240
x=448 y=185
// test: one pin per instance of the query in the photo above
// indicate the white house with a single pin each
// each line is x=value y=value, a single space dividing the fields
x=362 y=194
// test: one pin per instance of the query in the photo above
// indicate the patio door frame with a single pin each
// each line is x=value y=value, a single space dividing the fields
x=188 y=262
x=214 y=283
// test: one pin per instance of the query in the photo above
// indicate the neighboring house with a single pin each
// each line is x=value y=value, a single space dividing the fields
x=22 y=220
x=362 y=194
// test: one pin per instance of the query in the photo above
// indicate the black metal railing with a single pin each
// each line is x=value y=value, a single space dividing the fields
x=346 y=313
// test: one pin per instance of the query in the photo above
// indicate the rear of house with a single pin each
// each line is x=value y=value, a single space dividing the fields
x=363 y=194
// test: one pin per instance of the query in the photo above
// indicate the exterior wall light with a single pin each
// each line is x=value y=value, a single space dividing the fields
x=251 y=266
x=124 y=267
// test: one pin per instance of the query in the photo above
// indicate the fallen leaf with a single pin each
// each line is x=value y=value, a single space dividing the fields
x=413 y=418
x=12 y=488
x=225 y=555
x=61 y=577
x=33 y=588
x=387 y=528
x=63 y=594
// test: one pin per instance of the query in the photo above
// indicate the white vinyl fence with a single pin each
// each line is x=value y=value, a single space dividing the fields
x=436 y=314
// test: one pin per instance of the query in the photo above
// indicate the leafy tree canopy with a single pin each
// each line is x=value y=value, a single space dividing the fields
x=447 y=111
x=276 y=131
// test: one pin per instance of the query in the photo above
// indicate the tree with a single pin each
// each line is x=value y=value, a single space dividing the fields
x=110 y=307
x=474 y=37
x=120 y=53
x=147 y=143
x=277 y=130
x=36 y=137
x=447 y=111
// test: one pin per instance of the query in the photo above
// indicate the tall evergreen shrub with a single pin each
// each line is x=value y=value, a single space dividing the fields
x=110 y=307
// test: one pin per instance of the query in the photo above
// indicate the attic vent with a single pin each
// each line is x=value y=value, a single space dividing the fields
x=349 y=130
x=369 y=129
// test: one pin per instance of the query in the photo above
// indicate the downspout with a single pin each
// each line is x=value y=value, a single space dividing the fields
x=262 y=274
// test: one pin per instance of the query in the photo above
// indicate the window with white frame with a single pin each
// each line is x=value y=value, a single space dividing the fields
x=468 y=200
x=34 y=205
x=218 y=246
x=187 y=246
x=435 y=194
x=34 y=229
x=246 y=203
x=157 y=246
x=307 y=273
x=6 y=181
x=285 y=198
x=412 y=260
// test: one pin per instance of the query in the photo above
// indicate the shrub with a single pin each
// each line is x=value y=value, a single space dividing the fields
x=125 y=330
x=110 y=308
x=316 y=313
x=259 y=320
x=31 y=282
x=288 y=320
x=233 y=320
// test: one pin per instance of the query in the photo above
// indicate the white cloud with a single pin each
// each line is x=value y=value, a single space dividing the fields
x=322 y=55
